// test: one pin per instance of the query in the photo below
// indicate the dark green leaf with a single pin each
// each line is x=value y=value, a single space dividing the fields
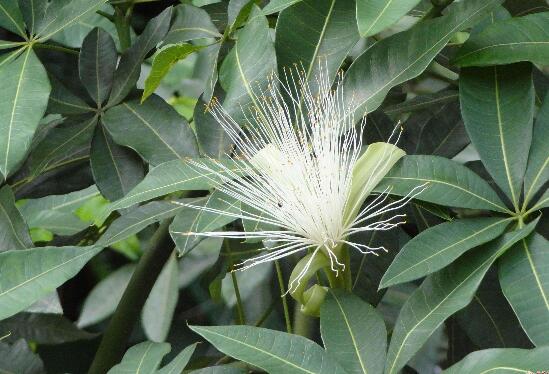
x=62 y=14
x=405 y=55
x=153 y=129
x=97 y=63
x=423 y=102
x=190 y=23
x=26 y=89
x=116 y=169
x=374 y=16
x=163 y=61
x=11 y=18
x=502 y=361
x=448 y=183
x=192 y=220
x=439 y=246
x=517 y=39
x=537 y=171
x=14 y=233
x=157 y=313
x=137 y=219
x=143 y=358
x=28 y=275
x=19 y=359
x=246 y=68
x=273 y=351
x=63 y=101
x=489 y=321
x=524 y=278
x=347 y=325
x=275 y=6
x=213 y=141
x=43 y=328
x=219 y=369
x=314 y=35
x=129 y=67
x=497 y=105
x=441 y=295
x=177 y=175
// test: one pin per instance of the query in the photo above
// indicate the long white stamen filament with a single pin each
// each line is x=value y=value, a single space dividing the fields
x=298 y=150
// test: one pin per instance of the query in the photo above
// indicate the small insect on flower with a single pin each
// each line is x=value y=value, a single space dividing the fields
x=305 y=175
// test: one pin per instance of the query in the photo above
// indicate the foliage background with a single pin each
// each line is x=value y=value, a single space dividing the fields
x=103 y=103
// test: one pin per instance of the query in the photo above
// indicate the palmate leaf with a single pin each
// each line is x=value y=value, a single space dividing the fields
x=26 y=90
x=438 y=246
x=315 y=35
x=448 y=183
x=524 y=279
x=508 y=360
x=30 y=274
x=11 y=18
x=275 y=6
x=517 y=39
x=190 y=23
x=153 y=129
x=441 y=295
x=497 y=104
x=405 y=55
x=347 y=325
x=374 y=16
x=273 y=351
x=14 y=233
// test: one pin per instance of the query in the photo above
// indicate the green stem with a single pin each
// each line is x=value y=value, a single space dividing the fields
x=303 y=324
x=122 y=23
x=239 y=305
x=284 y=300
x=115 y=338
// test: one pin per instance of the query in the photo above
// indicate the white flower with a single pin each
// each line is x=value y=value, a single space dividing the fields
x=305 y=175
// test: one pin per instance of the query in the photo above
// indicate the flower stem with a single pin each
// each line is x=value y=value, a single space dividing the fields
x=115 y=338
x=303 y=324
x=239 y=305
x=284 y=300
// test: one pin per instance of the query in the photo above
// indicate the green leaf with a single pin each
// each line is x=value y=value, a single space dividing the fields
x=374 y=16
x=101 y=302
x=270 y=350
x=63 y=145
x=28 y=275
x=524 y=279
x=137 y=219
x=245 y=70
x=276 y=6
x=129 y=67
x=14 y=233
x=143 y=358
x=116 y=169
x=489 y=320
x=439 y=246
x=62 y=14
x=43 y=328
x=163 y=61
x=441 y=295
x=405 y=55
x=192 y=220
x=517 y=39
x=153 y=129
x=497 y=104
x=423 y=102
x=190 y=23
x=213 y=140
x=537 y=171
x=508 y=360
x=177 y=175
x=97 y=63
x=347 y=325
x=448 y=183
x=63 y=101
x=315 y=40
x=222 y=369
x=157 y=313
x=11 y=18
x=179 y=362
x=26 y=90
x=19 y=358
